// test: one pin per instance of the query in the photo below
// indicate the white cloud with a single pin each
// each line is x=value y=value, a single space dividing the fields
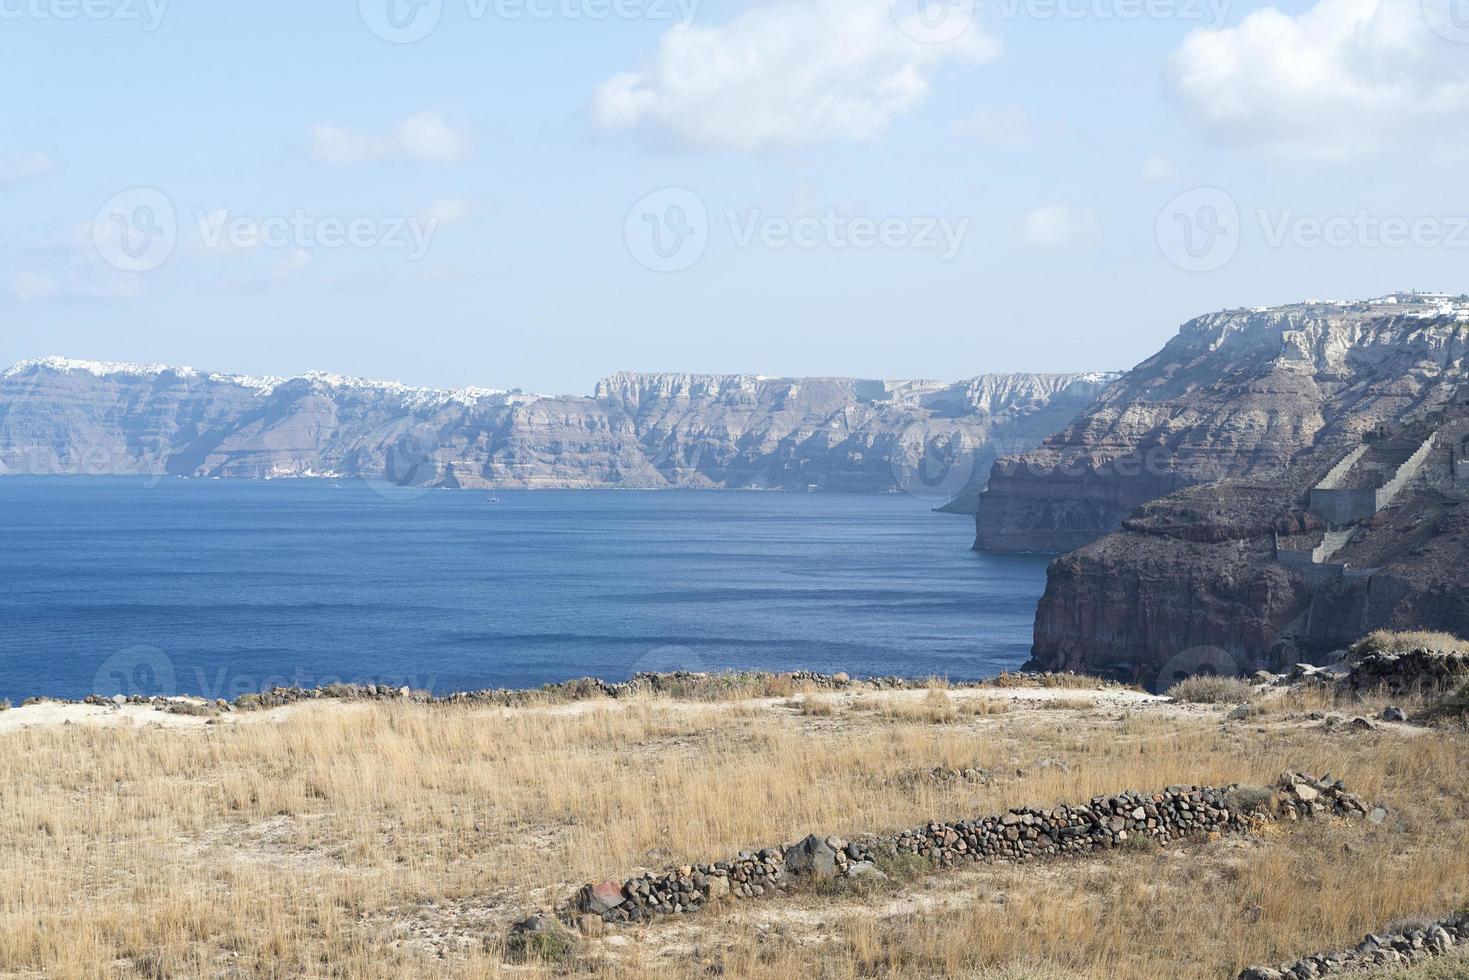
x=1344 y=77
x=1008 y=127
x=25 y=166
x=1158 y=170
x=423 y=138
x=448 y=211
x=1057 y=225
x=789 y=73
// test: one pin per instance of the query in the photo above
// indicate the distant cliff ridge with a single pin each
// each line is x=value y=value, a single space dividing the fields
x=60 y=416
x=1236 y=394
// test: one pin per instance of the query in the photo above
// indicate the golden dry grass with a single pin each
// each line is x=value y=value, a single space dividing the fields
x=1389 y=641
x=400 y=840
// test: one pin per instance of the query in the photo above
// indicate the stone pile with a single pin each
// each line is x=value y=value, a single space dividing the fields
x=1017 y=835
x=1373 y=952
x=1417 y=671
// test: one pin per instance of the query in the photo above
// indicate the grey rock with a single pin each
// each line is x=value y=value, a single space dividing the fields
x=811 y=857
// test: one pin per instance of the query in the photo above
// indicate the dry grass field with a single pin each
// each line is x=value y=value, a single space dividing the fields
x=400 y=840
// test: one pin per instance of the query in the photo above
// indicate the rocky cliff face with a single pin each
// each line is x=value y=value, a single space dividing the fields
x=1243 y=574
x=637 y=430
x=1236 y=394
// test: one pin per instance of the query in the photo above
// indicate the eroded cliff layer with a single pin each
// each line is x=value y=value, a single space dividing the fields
x=1235 y=394
x=638 y=430
x=1246 y=574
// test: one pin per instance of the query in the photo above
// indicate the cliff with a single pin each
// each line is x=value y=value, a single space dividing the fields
x=1236 y=394
x=1245 y=574
x=933 y=439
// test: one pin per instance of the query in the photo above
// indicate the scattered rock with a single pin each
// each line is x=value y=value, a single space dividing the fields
x=603 y=898
x=1393 y=713
x=812 y=856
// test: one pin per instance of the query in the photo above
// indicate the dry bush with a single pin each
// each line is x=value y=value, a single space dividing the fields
x=1388 y=641
x=984 y=707
x=819 y=706
x=1065 y=704
x=1208 y=689
x=1081 y=682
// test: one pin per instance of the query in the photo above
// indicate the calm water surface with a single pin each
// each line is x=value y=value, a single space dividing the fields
x=216 y=587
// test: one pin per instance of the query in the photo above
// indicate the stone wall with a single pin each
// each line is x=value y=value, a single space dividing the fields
x=1019 y=835
x=1373 y=952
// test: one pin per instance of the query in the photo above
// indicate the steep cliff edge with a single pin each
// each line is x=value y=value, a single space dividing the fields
x=59 y=416
x=1235 y=394
x=1245 y=574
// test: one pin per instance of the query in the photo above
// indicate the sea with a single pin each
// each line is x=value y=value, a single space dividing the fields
x=219 y=588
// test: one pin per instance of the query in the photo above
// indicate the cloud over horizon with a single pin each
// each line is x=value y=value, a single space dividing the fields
x=1342 y=77
x=426 y=137
x=786 y=75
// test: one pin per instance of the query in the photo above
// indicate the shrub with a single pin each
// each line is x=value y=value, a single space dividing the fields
x=551 y=946
x=193 y=708
x=1388 y=641
x=1066 y=704
x=820 y=707
x=1249 y=799
x=1206 y=689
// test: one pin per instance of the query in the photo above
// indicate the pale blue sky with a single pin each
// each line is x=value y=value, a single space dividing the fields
x=1054 y=141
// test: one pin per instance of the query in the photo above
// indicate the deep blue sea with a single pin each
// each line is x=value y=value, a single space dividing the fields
x=217 y=587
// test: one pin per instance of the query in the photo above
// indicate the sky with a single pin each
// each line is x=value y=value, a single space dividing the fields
x=537 y=193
